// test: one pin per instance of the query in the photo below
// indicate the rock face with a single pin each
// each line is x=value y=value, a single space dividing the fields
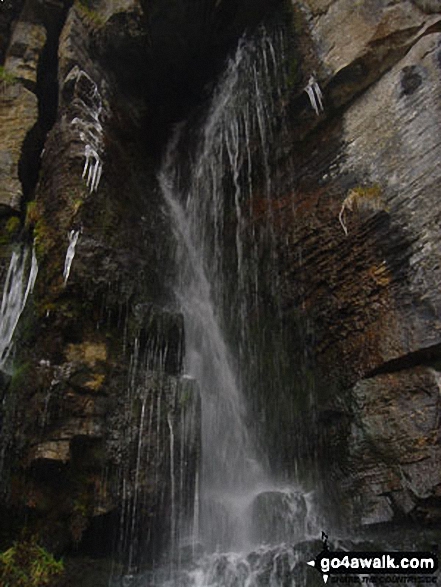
x=96 y=413
x=394 y=450
x=365 y=217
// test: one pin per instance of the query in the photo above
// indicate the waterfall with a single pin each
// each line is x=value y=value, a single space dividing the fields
x=210 y=198
x=232 y=468
x=19 y=283
x=238 y=523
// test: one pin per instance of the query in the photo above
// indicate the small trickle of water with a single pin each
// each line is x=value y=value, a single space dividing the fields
x=70 y=253
x=93 y=168
x=19 y=283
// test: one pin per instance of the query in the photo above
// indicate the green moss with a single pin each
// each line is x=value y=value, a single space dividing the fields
x=77 y=204
x=84 y=7
x=9 y=230
x=6 y=77
x=19 y=376
x=32 y=214
x=13 y=226
x=44 y=238
x=26 y=564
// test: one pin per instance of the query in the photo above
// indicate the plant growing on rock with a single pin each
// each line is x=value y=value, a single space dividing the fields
x=32 y=214
x=43 y=234
x=361 y=198
x=9 y=230
x=27 y=564
x=6 y=77
x=85 y=9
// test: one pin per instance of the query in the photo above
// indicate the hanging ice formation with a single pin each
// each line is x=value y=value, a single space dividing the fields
x=89 y=105
x=315 y=95
x=92 y=168
x=19 y=283
x=70 y=253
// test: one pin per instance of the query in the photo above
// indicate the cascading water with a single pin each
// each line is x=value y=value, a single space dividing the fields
x=242 y=507
x=19 y=283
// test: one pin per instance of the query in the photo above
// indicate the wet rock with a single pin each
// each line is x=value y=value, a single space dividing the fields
x=19 y=103
x=9 y=14
x=355 y=46
x=52 y=451
x=278 y=516
x=93 y=400
x=357 y=269
x=394 y=444
x=365 y=303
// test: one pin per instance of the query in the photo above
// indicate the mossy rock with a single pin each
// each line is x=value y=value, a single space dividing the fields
x=7 y=78
x=27 y=564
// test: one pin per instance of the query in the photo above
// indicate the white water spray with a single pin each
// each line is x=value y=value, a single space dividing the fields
x=246 y=518
x=19 y=283
x=236 y=488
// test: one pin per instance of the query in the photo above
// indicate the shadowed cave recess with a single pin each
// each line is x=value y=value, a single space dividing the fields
x=220 y=329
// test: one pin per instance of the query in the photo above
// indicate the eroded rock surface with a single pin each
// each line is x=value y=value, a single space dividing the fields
x=371 y=169
x=395 y=445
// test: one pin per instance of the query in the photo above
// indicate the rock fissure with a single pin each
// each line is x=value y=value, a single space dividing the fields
x=426 y=357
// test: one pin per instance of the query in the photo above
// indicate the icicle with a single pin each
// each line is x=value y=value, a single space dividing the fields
x=88 y=125
x=315 y=95
x=92 y=167
x=70 y=254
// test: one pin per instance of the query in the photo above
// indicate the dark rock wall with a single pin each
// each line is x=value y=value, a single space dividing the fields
x=357 y=218
x=95 y=393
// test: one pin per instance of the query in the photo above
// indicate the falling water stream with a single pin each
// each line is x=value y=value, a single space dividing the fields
x=248 y=522
x=19 y=283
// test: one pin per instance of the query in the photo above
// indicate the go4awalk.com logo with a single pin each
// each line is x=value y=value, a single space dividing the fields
x=375 y=567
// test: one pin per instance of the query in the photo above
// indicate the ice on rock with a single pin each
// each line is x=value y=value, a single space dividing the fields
x=93 y=168
x=70 y=254
x=88 y=105
x=315 y=95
